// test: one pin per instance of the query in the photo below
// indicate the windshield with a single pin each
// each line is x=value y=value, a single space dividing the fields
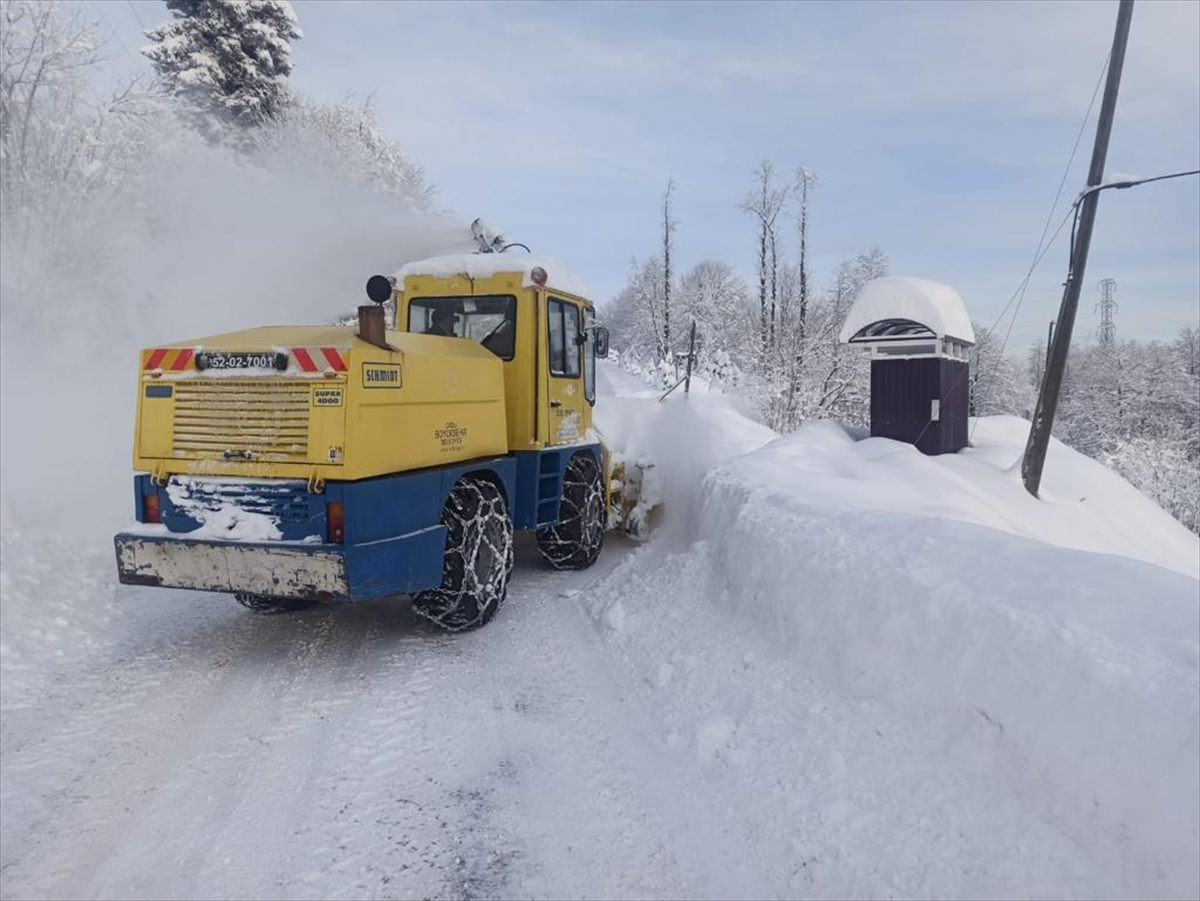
x=489 y=319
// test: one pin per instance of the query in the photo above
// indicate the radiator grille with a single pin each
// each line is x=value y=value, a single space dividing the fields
x=230 y=419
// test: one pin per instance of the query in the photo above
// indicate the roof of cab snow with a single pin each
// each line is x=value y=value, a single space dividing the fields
x=483 y=265
x=931 y=304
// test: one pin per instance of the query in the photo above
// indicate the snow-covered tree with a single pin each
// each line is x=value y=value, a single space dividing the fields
x=66 y=151
x=1164 y=470
x=1136 y=407
x=715 y=297
x=842 y=372
x=344 y=139
x=227 y=57
x=996 y=383
x=636 y=312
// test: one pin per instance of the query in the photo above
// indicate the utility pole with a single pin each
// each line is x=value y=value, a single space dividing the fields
x=1043 y=415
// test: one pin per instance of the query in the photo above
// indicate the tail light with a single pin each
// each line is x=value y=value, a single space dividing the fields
x=335 y=523
x=150 y=510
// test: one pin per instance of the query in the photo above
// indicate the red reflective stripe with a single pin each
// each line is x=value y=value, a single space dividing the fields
x=334 y=358
x=304 y=359
x=155 y=358
x=181 y=361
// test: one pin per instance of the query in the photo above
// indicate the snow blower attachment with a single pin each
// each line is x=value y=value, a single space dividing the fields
x=290 y=465
x=634 y=497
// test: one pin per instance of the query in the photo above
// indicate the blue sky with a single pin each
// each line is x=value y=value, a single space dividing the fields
x=939 y=131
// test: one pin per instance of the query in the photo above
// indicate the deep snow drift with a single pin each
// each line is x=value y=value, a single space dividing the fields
x=1052 y=647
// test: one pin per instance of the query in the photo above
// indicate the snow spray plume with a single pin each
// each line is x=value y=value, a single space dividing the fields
x=202 y=242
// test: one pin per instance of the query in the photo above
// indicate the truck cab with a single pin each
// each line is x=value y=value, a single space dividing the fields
x=544 y=334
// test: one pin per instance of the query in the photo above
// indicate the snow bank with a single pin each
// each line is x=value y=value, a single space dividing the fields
x=1083 y=504
x=485 y=265
x=1088 y=664
x=1041 y=658
x=683 y=436
x=930 y=303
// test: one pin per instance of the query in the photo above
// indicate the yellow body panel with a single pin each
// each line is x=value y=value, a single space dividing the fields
x=542 y=410
x=424 y=401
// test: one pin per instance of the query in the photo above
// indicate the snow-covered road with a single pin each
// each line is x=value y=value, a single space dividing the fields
x=347 y=752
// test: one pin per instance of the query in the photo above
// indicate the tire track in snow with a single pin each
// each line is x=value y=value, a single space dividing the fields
x=348 y=751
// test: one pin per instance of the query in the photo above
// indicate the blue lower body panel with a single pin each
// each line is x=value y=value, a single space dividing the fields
x=540 y=483
x=394 y=540
x=399 y=565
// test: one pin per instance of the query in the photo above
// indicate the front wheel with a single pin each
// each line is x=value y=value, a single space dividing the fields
x=478 y=561
x=574 y=542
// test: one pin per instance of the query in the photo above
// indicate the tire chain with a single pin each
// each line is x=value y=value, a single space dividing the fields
x=484 y=530
x=577 y=536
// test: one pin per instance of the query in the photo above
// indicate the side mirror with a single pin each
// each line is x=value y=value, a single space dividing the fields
x=379 y=288
x=601 y=338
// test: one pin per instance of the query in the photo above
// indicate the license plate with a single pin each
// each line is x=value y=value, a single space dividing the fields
x=224 y=360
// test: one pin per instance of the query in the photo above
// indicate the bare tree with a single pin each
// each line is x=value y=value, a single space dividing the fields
x=669 y=225
x=805 y=181
x=765 y=202
x=798 y=331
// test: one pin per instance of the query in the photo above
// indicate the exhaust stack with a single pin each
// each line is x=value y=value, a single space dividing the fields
x=371 y=325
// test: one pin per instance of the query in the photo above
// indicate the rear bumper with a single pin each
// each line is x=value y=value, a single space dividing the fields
x=399 y=565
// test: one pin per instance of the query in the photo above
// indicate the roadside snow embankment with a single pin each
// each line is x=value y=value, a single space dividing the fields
x=936 y=589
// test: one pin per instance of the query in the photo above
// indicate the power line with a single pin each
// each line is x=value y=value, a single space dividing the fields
x=133 y=10
x=112 y=30
x=1042 y=248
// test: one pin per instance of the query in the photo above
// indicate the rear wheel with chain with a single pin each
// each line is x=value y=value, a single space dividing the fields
x=478 y=561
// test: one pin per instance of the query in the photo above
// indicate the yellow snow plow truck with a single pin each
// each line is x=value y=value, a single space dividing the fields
x=290 y=465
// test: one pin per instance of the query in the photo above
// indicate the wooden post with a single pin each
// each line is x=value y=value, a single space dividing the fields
x=691 y=356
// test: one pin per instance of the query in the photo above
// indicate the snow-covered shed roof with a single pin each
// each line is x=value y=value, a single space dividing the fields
x=897 y=299
x=484 y=265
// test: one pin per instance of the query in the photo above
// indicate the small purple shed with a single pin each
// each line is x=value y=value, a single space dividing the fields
x=917 y=333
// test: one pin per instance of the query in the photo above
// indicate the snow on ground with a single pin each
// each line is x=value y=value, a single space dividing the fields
x=839 y=669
